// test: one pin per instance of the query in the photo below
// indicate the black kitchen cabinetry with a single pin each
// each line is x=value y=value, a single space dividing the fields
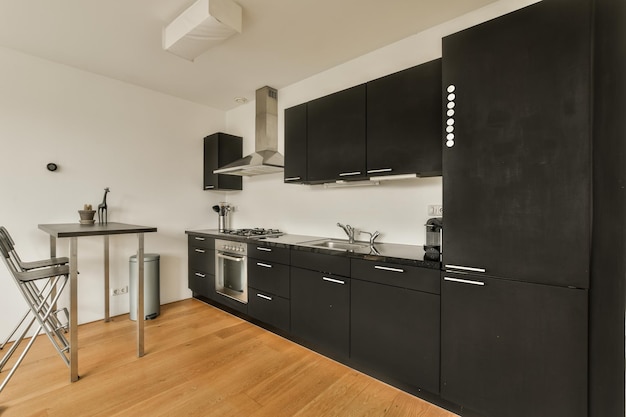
x=268 y=285
x=221 y=149
x=404 y=122
x=514 y=349
x=395 y=322
x=517 y=152
x=296 y=144
x=320 y=302
x=336 y=136
x=201 y=265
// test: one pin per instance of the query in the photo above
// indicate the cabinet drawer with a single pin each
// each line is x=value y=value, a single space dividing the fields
x=269 y=276
x=201 y=241
x=269 y=308
x=333 y=264
x=202 y=283
x=268 y=253
x=411 y=277
x=201 y=259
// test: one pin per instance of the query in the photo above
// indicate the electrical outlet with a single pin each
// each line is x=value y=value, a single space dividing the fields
x=119 y=291
x=435 y=210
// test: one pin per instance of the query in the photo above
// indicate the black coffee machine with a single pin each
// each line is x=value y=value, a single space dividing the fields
x=432 y=248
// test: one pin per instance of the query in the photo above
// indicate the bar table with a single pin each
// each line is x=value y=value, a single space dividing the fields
x=73 y=231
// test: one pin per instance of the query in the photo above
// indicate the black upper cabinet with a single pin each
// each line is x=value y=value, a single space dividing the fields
x=517 y=155
x=404 y=122
x=295 y=144
x=513 y=349
x=336 y=136
x=221 y=149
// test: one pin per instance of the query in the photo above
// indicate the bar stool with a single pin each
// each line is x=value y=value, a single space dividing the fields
x=26 y=266
x=41 y=289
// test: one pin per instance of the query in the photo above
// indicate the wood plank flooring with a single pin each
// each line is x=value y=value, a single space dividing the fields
x=200 y=361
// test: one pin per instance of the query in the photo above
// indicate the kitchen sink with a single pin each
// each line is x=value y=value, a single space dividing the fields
x=336 y=244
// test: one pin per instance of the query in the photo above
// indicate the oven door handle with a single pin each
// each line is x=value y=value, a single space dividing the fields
x=230 y=258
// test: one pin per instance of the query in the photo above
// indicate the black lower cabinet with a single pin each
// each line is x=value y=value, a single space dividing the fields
x=268 y=308
x=320 y=311
x=513 y=349
x=395 y=333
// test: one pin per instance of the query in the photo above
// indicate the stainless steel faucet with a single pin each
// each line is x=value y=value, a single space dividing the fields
x=373 y=236
x=349 y=231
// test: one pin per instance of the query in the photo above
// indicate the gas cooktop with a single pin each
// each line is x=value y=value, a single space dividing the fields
x=254 y=233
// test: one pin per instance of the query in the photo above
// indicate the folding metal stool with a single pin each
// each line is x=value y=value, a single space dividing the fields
x=27 y=266
x=41 y=301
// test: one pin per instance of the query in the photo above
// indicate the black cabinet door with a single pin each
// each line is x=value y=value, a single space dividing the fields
x=513 y=349
x=336 y=146
x=269 y=308
x=404 y=122
x=320 y=310
x=395 y=332
x=295 y=144
x=516 y=155
x=221 y=149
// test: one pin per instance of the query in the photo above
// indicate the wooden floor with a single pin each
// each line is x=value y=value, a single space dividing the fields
x=200 y=361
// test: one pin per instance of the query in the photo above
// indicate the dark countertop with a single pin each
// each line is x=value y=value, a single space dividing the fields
x=412 y=255
x=61 y=230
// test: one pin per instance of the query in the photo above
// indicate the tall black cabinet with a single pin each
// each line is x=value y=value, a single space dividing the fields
x=517 y=197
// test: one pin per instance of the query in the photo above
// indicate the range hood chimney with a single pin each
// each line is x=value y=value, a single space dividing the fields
x=265 y=159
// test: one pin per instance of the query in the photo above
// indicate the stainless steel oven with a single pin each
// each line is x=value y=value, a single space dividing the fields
x=231 y=272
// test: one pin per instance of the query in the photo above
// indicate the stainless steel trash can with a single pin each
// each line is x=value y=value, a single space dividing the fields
x=151 y=286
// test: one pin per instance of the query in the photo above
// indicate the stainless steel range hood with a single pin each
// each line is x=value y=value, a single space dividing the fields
x=266 y=159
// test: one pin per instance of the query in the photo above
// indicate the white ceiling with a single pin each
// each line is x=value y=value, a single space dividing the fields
x=283 y=41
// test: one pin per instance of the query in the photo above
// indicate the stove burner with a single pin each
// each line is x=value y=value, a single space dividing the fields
x=256 y=232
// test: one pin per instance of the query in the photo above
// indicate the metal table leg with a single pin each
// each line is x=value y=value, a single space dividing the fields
x=73 y=309
x=140 y=290
x=107 y=310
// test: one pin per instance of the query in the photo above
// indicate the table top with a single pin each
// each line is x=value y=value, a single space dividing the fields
x=60 y=230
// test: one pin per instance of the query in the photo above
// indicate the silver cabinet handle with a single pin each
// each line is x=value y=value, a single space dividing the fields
x=264 y=249
x=335 y=281
x=230 y=258
x=199 y=250
x=292 y=179
x=208 y=187
x=198 y=274
x=265 y=297
x=347 y=174
x=386 y=268
x=264 y=265
x=374 y=171
x=463 y=281
x=466 y=268
x=198 y=238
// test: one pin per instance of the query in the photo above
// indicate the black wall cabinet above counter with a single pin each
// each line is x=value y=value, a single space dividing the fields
x=221 y=149
x=389 y=126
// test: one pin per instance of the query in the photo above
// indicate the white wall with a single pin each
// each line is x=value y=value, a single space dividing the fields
x=397 y=209
x=145 y=146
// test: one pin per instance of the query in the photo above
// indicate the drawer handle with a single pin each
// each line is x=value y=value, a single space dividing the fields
x=198 y=238
x=335 y=281
x=464 y=281
x=264 y=249
x=347 y=174
x=208 y=187
x=466 y=268
x=265 y=297
x=199 y=250
x=386 y=268
x=264 y=265
x=198 y=274
x=292 y=179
